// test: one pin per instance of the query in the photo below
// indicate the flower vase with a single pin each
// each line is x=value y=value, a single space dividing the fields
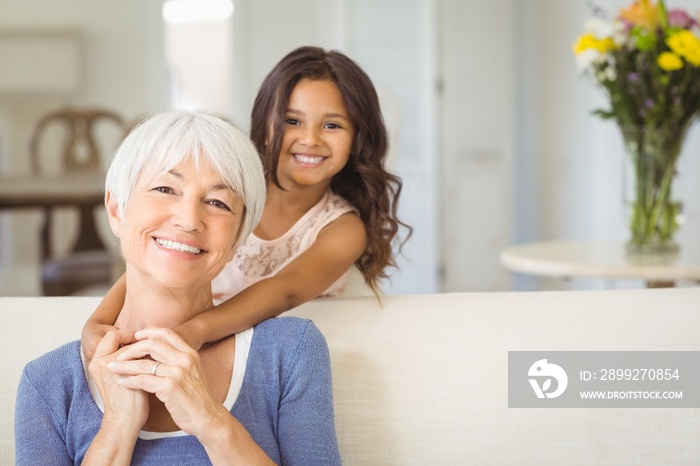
x=653 y=214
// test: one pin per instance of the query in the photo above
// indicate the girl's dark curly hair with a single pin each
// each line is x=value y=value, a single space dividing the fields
x=363 y=181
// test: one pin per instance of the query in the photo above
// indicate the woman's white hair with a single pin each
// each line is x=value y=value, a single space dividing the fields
x=162 y=140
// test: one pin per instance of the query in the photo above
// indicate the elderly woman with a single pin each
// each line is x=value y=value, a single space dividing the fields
x=182 y=191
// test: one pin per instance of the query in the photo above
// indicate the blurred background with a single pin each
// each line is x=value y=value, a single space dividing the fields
x=490 y=120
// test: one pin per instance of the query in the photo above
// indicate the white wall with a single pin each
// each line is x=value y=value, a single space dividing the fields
x=122 y=46
x=553 y=163
x=476 y=135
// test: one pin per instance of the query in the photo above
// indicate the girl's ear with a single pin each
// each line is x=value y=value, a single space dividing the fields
x=115 y=221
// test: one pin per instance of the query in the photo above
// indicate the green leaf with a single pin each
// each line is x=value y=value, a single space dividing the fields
x=644 y=40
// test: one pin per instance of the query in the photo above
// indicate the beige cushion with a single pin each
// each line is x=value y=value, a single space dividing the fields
x=423 y=379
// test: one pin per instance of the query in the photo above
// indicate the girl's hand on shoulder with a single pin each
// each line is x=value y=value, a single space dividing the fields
x=178 y=379
x=93 y=333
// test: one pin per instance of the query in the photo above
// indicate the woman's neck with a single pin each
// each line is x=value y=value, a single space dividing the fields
x=149 y=305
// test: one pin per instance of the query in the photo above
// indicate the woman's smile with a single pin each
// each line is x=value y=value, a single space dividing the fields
x=179 y=247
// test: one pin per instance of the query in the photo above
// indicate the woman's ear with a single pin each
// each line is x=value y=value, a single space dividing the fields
x=115 y=221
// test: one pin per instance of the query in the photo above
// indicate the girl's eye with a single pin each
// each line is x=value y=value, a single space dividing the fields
x=164 y=189
x=292 y=121
x=332 y=126
x=218 y=204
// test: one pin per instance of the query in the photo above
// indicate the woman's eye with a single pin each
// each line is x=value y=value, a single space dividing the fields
x=218 y=204
x=164 y=189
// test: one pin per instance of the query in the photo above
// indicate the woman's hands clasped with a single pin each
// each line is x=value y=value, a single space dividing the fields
x=125 y=410
x=174 y=375
x=163 y=364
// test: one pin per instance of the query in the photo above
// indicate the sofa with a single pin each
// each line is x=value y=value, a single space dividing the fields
x=423 y=380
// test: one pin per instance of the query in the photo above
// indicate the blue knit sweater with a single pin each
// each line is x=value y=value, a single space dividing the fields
x=285 y=402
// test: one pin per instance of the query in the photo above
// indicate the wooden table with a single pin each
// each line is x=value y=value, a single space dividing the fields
x=52 y=191
x=82 y=191
x=601 y=259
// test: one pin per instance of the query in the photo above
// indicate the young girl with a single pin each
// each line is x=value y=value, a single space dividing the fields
x=330 y=203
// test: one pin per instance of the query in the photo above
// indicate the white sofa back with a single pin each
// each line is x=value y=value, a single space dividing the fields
x=423 y=379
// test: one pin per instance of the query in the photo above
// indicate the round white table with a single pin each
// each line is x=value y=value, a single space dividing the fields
x=601 y=259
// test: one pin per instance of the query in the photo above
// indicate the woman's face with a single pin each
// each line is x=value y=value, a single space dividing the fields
x=318 y=135
x=179 y=228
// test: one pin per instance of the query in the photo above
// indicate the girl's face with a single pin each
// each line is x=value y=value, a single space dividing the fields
x=179 y=227
x=318 y=135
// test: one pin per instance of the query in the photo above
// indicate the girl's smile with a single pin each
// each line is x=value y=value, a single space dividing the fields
x=308 y=159
x=318 y=135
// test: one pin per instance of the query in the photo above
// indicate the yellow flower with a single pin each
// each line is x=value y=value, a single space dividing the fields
x=669 y=61
x=589 y=41
x=687 y=45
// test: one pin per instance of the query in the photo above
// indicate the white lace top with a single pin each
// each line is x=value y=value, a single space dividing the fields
x=257 y=258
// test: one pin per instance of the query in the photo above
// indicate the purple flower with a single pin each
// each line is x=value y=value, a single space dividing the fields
x=648 y=103
x=680 y=19
x=633 y=77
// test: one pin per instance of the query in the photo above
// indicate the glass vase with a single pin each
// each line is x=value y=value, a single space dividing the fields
x=653 y=214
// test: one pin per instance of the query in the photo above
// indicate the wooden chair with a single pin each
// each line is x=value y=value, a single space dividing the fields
x=75 y=147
